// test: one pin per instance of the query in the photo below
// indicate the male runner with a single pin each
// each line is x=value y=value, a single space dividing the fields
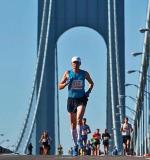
x=77 y=97
x=126 y=129
x=85 y=130
x=97 y=138
x=105 y=138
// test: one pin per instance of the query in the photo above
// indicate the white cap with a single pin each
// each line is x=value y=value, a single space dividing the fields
x=78 y=59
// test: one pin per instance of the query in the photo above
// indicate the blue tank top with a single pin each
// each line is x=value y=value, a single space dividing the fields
x=76 y=87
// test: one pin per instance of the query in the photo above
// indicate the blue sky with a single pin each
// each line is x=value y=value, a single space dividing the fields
x=18 y=39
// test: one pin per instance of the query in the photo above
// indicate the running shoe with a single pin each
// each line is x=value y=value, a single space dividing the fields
x=75 y=151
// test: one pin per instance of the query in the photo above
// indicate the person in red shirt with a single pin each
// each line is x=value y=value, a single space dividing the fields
x=97 y=138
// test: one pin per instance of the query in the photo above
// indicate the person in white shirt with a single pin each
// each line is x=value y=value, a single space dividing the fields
x=126 y=129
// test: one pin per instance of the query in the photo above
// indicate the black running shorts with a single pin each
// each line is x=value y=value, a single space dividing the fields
x=125 y=138
x=73 y=103
x=97 y=142
x=106 y=143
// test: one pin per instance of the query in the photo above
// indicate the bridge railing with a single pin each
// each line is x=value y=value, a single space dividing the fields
x=139 y=106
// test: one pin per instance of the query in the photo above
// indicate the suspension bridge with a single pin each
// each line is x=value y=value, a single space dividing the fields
x=107 y=18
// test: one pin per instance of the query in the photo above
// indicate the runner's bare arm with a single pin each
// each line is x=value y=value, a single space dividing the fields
x=89 y=130
x=62 y=84
x=90 y=81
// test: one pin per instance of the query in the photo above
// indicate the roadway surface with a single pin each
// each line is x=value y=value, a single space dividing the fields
x=27 y=157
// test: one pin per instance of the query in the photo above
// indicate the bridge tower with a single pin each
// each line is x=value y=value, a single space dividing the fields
x=54 y=18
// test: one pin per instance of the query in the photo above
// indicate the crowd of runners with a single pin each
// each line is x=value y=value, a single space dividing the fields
x=92 y=146
x=89 y=146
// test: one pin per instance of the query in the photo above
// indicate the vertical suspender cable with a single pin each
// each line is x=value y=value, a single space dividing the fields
x=58 y=120
x=111 y=72
x=122 y=108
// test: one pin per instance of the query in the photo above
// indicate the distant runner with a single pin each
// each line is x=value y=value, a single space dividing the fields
x=85 y=130
x=45 y=140
x=105 y=138
x=97 y=138
x=126 y=129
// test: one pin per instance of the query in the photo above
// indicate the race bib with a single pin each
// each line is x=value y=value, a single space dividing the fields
x=106 y=138
x=84 y=132
x=77 y=84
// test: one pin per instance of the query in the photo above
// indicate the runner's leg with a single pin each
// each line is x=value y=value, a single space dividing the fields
x=98 y=149
x=72 y=117
x=80 y=114
x=128 y=146
x=105 y=149
x=124 y=149
x=124 y=145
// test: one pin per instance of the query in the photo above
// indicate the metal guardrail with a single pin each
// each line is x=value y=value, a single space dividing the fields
x=142 y=77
